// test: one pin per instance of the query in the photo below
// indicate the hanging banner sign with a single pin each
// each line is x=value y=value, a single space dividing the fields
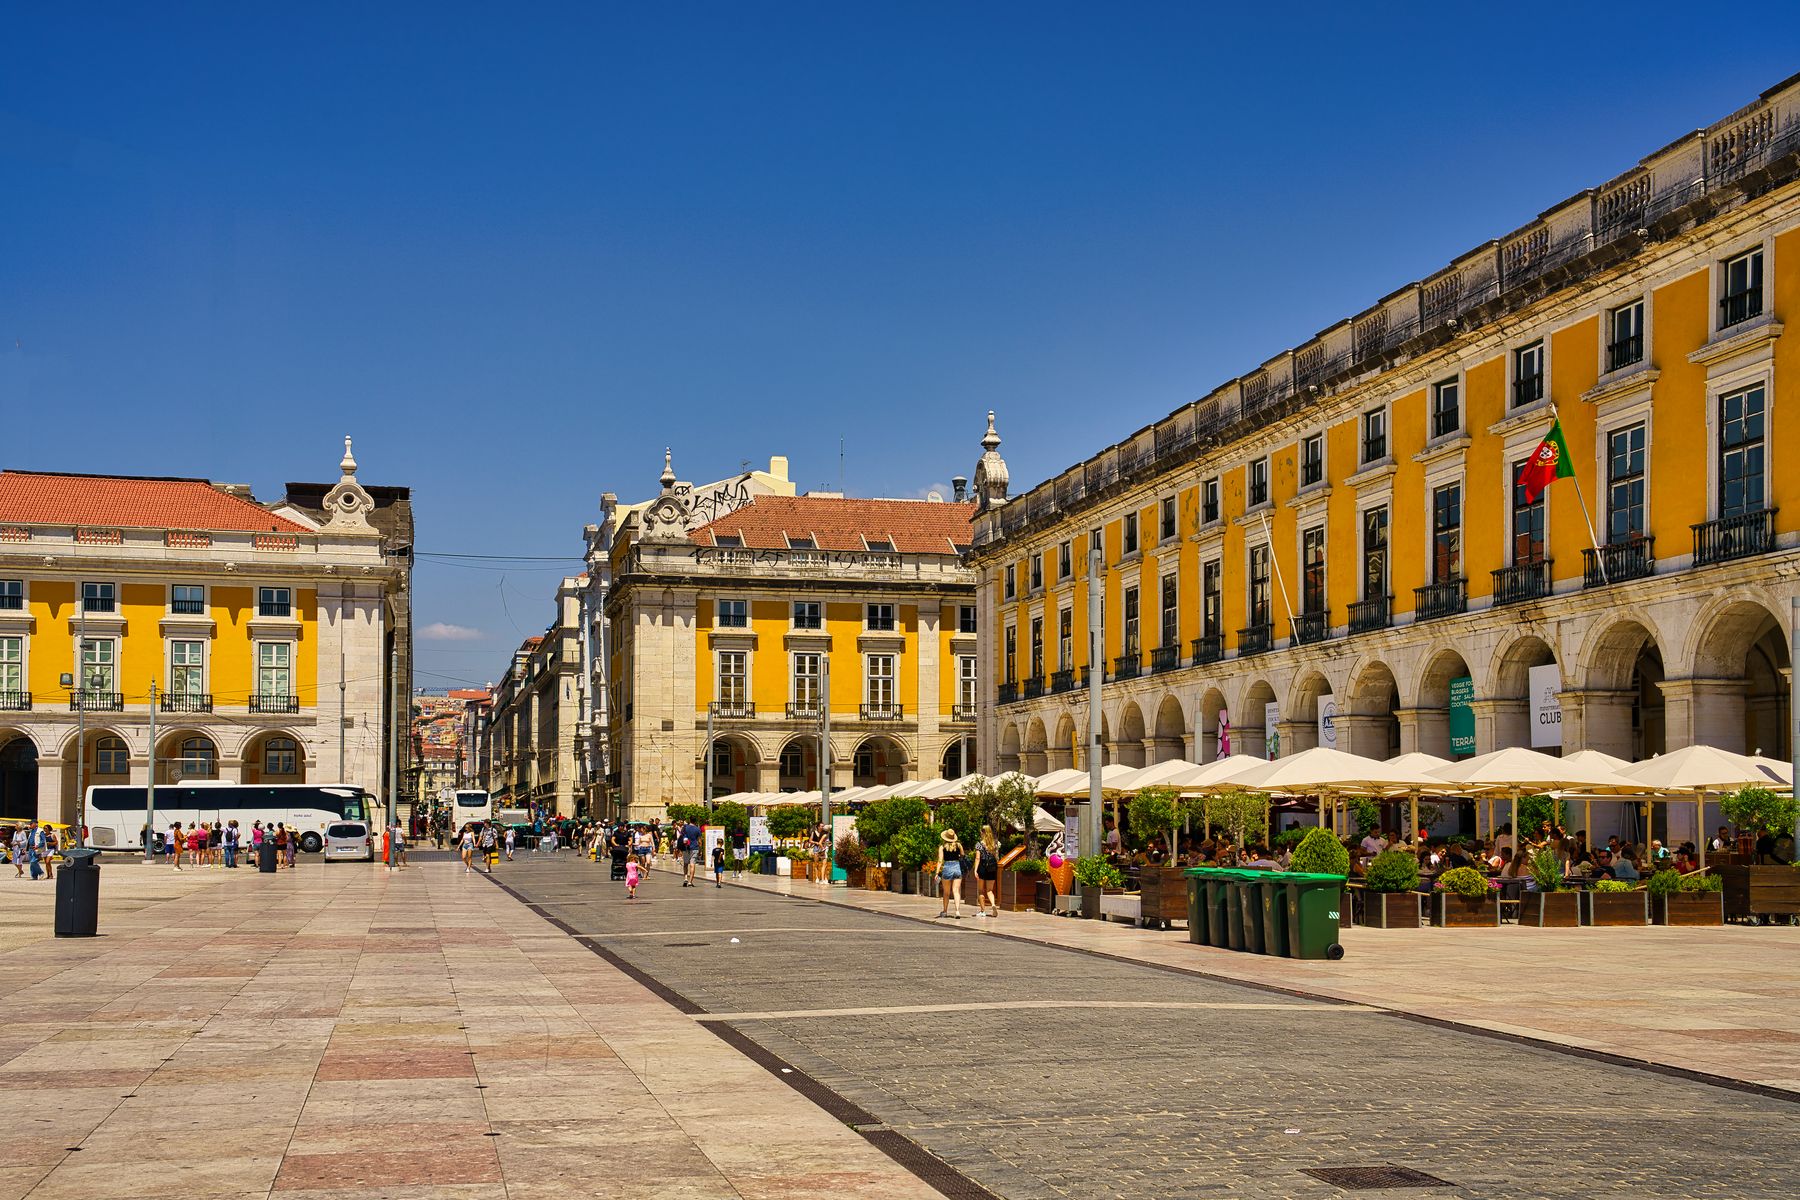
x=1328 y=722
x=1271 y=730
x=1542 y=685
x=1224 y=734
x=1462 y=715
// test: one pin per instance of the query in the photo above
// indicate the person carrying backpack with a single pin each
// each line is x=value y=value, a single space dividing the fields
x=987 y=874
x=490 y=847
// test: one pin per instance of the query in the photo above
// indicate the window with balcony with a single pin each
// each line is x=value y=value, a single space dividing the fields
x=1312 y=570
x=1009 y=583
x=1374 y=435
x=12 y=672
x=99 y=597
x=1171 y=613
x=1012 y=655
x=1446 y=533
x=734 y=680
x=1131 y=622
x=1065 y=560
x=187 y=600
x=1261 y=597
x=99 y=667
x=967 y=685
x=1528 y=374
x=1742 y=279
x=274 y=602
x=1527 y=520
x=879 y=618
x=1065 y=640
x=808 y=683
x=1209 y=500
x=1625 y=484
x=878 y=686
x=1258 y=485
x=187 y=668
x=1130 y=535
x=1742 y=419
x=12 y=594
x=1166 y=519
x=1375 y=553
x=1446 y=407
x=1625 y=336
x=1037 y=572
x=1312 y=460
x=1212 y=596
x=274 y=672
x=809 y=614
x=1037 y=648
x=965 y=618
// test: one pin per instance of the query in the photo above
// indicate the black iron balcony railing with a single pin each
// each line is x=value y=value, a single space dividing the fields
x=1209 y=648
x=1034 y=687
x=1374 y=448
x=1739 y=307
x=1087 y=675
x=1521 y=582
x=884 y=712
x=962 y=714
x=1528 y=389
x=732 y=710
x=1126 y=666
x=274 y=704
x=1255 y=639
x=12 y=600
x=1625 y=351
x=1008 y=693
x=804 y=710
x=274 y=608
x=1062 y=681
x=187 y=608
x=1446 y=421
x=185 y=702
x=15 y=701
x=1373 y=613
x=1165 y=658
x=96 y=702
x=1737 y=536
x=1619 y=561
x=1440 y=599
x=1310 y=627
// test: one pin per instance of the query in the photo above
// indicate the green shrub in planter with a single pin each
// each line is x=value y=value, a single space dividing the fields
x=792 y=820
x=1464 y=881
x=1664 y=883
x=1546 y=870
x=1702 y=883
x=1758 y=810
x=1029 y=866
x=1392 y=871
x=913 y=846
x=1320 y=853
x=1614 y=885
x=733 y=816
x=850 y=854
x=880 y=820
x=1092 y=870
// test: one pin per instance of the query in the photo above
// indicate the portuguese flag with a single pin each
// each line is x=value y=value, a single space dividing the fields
x=1548 y=463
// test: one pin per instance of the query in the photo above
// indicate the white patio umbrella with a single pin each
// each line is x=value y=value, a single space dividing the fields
x=1072 y=784
x=1216 y=774
x=1327 y=772
x=877 y=791
x=789 y=798
x=909 y=787
x=937 y=789
x=1155 y=775
x=1516 y=771
x=1781 y=772
x=1590 y=758
x=1698 y=771
x=847 y=795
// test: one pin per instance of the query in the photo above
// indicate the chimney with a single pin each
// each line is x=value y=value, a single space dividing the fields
x=961 y=484
x=778 y=467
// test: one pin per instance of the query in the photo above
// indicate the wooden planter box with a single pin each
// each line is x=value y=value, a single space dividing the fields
x=1164 y=895
x=1550 y=910
x=875 y=878
x=1046 y=896
x=1688 y=908
x=1450 y=911
x=798 y=870
x=1018 y=890
x=1761 y=891
x=1391 y=910
x=1615 y=908
x=858 y=877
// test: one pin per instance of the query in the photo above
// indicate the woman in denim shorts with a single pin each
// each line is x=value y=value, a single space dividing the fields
x=950 y=871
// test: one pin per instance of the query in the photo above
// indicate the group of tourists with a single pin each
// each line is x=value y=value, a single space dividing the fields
x=33 y=846
x=954 y=859
x=218 y=843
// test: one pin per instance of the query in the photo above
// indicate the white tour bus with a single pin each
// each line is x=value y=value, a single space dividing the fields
x=471 y=806
x=115 y=815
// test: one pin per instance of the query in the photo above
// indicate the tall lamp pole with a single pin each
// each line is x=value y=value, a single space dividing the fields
x=150 y=788
x=825 y=743
x=1090 y=819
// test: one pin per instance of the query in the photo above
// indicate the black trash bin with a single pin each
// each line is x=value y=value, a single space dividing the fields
x=265 y=856
x=78 y=893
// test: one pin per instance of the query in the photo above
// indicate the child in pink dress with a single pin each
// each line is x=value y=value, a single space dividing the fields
x=631 y=879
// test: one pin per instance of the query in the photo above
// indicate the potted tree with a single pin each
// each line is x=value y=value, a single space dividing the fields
x=1163 y=887
x=1018 y=883
x=1552 y=905
x=1465 y=898
x=1686 y=900
x=1392 y=880
x=1096 y=877
x=1614 y=902
x=1768 y=886
x=876 y=825
x=851 y=856
x=911 y=848
x=1320 y=853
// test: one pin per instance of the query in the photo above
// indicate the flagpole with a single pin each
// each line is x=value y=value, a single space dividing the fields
x=1593 y=540
x=1287 y=601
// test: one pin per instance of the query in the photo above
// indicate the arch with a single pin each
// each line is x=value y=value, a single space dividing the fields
x=274 y=756
x=1432 y=716
x=733 y=769
x=186 y=754
x=1248 y=723
x=1511 y=674
x=951 y=765
x=1171 y=730
x=1009 y=748
x=1306 y=701
x=84 y=766
x=1130 y=747
x=1621 y=700
x=1738 y=697
x=18 y=775
x=1372 y=720
x=797 y=764
x=1032 y=758
x=1212 y=707
x=879 y=760
x=1067 y=747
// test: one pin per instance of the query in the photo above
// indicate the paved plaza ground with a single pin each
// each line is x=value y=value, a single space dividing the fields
x=344 y=1031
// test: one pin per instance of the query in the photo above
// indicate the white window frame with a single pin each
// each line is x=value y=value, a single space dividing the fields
x=974 y=619
x=1542 y=341
x=1717 y=279
x=893 y=617
x=1324 y=479
x=81 y=596
x=1065 y=559
x=892 y=677
x=205 y=599
x=1607 y=312
x=111 y=663
x=1385 y=502
x=1210 y=490
x=1610 y=419
x=205 y=665
x=1250 y=548
x=1168 y=507
x=1065 y=651
x=719 y=658
x=1131 y=537
x=795 y=676
x=968 y=682
x=260 y=666
x=1362 y=435
x=719 y=621
x=274 y=587
x=794 y=616
x=1759 y=372
x=20 y=663
x=24 y=595
x=1167 y=579
x=1250 y=472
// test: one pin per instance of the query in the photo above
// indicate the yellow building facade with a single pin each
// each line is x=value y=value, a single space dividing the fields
x=731 y=641
x=1337 y=546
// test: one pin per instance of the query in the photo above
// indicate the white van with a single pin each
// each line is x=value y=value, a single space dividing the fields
x=349 y=840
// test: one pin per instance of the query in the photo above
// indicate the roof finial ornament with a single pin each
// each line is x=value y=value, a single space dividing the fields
x=668 y=475
x=991 y=476
x=991 y=442
x=348 y=465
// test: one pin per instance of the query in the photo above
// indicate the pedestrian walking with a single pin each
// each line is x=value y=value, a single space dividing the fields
x=687 y=841
x=20 y=848
x=950 y=871
x=987 y=874
x=490 y=847
x=215 y=845
x=467 y=846
x=231 y=845
x=293 y=846
x=256 y=840
x=632 y=875
x=34 y=853
x=718 y=865
x=512 y=836
x=281 y=844
x=643 y=847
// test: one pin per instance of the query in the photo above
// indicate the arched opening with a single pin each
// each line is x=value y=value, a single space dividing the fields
x=1171 y=731
x=18 y=776
x=1130 y=748
x=1066 y=748
x=1622 y=703
x=276 y=757
x=1739 y=696
x=1372 y=727
x=1520 y=719
x=1257 y=717
x=1032 y=760
x=1313 y=716
x=1446 y=723
x=881 y=761
x=1009 y=749
x=799 y=765
x=105 y=759
x=185 y=754
x=733 y=767
x=1214 y=721
x=951 y=766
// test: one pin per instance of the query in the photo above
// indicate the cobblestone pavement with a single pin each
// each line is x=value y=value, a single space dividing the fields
x=1040 y=1072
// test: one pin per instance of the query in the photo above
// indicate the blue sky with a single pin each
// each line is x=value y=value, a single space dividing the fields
x=517 y=251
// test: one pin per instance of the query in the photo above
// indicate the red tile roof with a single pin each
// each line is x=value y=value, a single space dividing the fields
x=131 y=502
x=913 y=526
x=468 y=694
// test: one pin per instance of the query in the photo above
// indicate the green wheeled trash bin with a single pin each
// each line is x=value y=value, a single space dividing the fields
x=1249 y=898
x=1197 y=908
x=1234 y=910
x=1218 y=892
x=1314 y=915
x=1272 y=892
x=78 y=893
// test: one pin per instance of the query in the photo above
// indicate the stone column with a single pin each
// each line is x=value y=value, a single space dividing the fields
x=1597 y=719
x=1159 y=749
x=1703 y=712
x=1059 y=760
x=1424 y=730
x=50 y=806
x=1363 y=733
x=1499 y=723
x=1298 y=735
x=768 y=775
